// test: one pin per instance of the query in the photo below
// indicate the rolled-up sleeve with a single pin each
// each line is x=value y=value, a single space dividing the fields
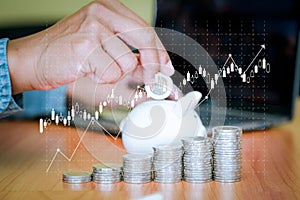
x=9 y=104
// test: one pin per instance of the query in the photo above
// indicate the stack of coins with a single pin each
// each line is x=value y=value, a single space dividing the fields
x=227 y=153
x=197 y=159
x=77 y=177
x=167 y=163
x=107 y=173
x=137 y=168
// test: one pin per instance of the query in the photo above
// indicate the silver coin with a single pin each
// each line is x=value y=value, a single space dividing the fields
x=107 y=181
x=175 y=180
x=77 y=177
x=228 y=180
x=162 y=88
x=107 y=173
x=198 y=176
x=167 y=163
x=139 y=181
x=167 y=148
x=197 y=159
x=76 y=181
x=96 y=175
x=197 y=180
x=134 y=157
x=194 y=141
x=107 y=167
x=227 y=142
x=137 y=168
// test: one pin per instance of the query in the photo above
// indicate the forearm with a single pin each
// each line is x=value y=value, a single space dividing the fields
x=21 y=58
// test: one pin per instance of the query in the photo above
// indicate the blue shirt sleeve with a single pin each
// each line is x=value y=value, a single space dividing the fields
x=36 y=103
x=9 y=104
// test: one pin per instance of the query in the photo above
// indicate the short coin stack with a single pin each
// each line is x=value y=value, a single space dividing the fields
x=197 y=159
x=107 y=173
x=137 y=168
x=167 y=163
x=77 y=177
x=227 y=153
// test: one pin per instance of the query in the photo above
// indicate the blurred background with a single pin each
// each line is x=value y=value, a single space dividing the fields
x=272 y=22
x=18 y=13
x=239 y=28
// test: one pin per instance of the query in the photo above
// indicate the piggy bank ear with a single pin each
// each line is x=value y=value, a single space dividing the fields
x=187 y=103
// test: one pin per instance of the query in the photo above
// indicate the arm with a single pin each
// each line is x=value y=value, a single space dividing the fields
x=92 y=43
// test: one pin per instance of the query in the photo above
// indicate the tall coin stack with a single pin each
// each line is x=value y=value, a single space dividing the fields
x=167 y=163
x=137 y=168
x=227 y=153
x=197 y=159
x=107 y=173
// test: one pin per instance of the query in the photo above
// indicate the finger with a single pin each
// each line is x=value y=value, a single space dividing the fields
x=101 y=67
x=137 y=74
x=167 y=69
x=144 y=40
x=139 y=36
x=153 y=56
x=119 y=52
x=110 y=43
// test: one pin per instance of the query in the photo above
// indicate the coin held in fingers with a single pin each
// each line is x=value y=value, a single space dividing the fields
x=161 y=89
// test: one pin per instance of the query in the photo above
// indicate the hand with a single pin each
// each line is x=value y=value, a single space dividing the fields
x=92 y=43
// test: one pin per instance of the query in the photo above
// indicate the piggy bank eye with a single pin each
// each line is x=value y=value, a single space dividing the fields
x=158 y=120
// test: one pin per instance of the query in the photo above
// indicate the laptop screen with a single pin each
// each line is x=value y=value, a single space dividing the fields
x=260 y=36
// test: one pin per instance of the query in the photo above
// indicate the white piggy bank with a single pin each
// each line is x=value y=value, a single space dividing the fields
x=161 y=122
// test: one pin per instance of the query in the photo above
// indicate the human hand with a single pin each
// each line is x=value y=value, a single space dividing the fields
x=92 y=43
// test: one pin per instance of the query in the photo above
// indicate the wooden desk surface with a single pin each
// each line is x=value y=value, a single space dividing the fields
x=271 y=166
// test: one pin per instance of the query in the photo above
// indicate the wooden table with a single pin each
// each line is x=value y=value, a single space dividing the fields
x=271 y=165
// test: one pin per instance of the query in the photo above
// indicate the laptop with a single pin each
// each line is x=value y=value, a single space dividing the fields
x=256 y=34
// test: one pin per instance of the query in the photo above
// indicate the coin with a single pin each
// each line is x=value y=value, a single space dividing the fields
x=77 y=177
x=167 y=163
x=162 y=88
x=227 y=142
x=137 y=168
x=107 y=173
x=107 y=167
x=197 y=159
